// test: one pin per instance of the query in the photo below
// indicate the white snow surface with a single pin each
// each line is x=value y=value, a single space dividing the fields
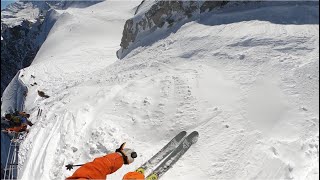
x=250 y=88
x=14 y=96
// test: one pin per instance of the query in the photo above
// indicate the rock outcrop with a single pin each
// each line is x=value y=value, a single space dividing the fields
x=152 y=15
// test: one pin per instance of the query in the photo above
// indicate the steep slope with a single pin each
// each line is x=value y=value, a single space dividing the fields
x=247 y=81
x=81 y=42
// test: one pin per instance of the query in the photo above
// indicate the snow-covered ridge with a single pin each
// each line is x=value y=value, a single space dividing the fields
x=158 y=18
x=14 y=96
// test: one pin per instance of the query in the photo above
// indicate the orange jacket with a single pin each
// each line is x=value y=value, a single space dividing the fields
x=23 y=127
x=133 y=176
x=100 y=167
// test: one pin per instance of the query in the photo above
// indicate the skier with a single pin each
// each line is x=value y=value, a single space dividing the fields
x=17 y=129
x=17 y=123
x=13 y=120
x=18 y=118
x=100 y=167
x=25 y=116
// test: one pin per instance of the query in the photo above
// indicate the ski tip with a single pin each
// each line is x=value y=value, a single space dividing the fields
x=183 y=132
x=195 y=135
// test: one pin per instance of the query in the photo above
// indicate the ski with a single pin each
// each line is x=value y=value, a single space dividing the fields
x=167 y=149
x=169 y=161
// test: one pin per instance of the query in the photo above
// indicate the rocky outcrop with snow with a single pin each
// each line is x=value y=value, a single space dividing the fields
x=152 y=15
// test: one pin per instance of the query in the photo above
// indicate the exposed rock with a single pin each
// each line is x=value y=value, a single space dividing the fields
x=210 y=5
x=42 y=94
x=150 y=16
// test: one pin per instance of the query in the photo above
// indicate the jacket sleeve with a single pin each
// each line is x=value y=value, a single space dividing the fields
x=18 y=128
x=99 y=168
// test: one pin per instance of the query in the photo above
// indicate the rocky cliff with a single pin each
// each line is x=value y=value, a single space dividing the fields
x=153 y=15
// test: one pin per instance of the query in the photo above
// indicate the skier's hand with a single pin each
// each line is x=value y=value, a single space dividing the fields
x=127 y=154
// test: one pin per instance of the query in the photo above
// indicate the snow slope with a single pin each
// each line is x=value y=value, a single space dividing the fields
x=250 y=86
x=14 y=96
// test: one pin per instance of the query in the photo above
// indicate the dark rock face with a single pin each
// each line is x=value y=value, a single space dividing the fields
x=128 y=35
x=16 y=52
x=210 y=5
x=159 y=14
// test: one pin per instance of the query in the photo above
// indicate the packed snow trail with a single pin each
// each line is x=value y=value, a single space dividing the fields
x=250 y=88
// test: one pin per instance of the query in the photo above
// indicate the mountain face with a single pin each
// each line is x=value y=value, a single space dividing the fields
x=245 y=76
x=151 y=15
x=155 y=17
x=24 y=27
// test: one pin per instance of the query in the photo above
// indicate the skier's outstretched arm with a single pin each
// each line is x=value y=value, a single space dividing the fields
x=99 y=168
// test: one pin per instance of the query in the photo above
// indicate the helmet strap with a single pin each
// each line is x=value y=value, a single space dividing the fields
x=124 y=156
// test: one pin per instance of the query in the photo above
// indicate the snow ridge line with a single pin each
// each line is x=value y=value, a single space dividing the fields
x=18 y=105
x=22 y=105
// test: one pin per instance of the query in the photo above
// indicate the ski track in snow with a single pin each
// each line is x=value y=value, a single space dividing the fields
x=250 y=89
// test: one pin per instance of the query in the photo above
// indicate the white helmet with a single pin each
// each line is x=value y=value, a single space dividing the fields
x=127 y=154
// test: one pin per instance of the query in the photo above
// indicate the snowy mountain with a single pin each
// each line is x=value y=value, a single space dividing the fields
x=244 y=75
x=24 y=27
